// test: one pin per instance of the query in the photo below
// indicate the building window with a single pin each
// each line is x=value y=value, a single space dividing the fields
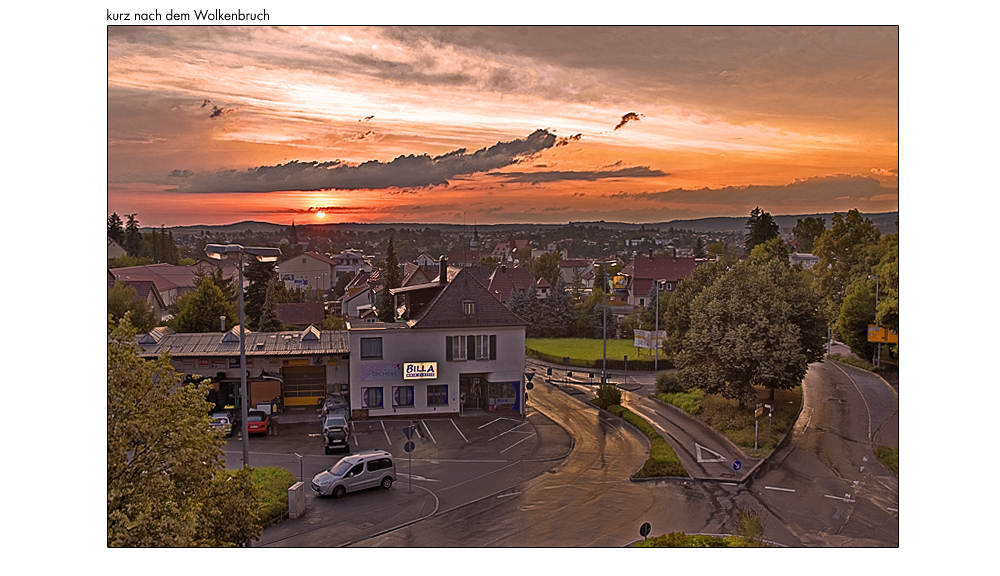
x=482 y=347
x=371 y=397
x=468 y=307
x=402 y=395
x=437 y=395
x=458 y=348
x=371 y=348
x=303 y=260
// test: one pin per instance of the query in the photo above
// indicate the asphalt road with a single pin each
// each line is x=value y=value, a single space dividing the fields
x=826 y=488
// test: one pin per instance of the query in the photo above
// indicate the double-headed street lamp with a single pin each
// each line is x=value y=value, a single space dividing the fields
x=235 y=251
x=604 y=306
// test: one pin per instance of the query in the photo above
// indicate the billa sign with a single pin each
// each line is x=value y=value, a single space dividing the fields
x=881 y=334
x=420 y=370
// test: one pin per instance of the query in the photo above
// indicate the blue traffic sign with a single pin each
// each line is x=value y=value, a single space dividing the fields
x=737 y=465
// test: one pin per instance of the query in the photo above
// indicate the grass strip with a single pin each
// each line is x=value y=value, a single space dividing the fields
x=663 y=461
x=682 y=540
x=689 y=401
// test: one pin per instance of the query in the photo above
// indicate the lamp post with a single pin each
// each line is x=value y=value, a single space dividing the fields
x=656 y=331
x=604 y=307
x=218 y=252
x=878 y=358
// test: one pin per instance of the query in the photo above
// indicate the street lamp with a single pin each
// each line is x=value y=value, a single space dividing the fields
x=656 y=330
x=878 y=359
x=219 y=252
x=604 y=306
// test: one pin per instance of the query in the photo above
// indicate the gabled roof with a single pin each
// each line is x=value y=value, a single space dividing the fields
x=301 y=313
x=645 y=269
x=505 y=279
x=447 y=310
x=144 y=290
x=321 y=257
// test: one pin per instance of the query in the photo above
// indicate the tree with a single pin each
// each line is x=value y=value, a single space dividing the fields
x=545 y=266
x=199 y=311
x=806 y=231
x=699 y=248
x=887 y=272
x=856 y=312
x=123 y=300
x=116 y=231
x=167 y=484
x=386 y=310
x=526 y=306
x=133 y=239
x=744 y=333
x=259 y=276
x=844 y=252
x=680 y=306
x=556 y=313
x=760 y=228
x=268 y=320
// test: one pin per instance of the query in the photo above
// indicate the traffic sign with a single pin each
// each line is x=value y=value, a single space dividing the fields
x=408 y=430
x=645 y=529
x=528 y=376
x=529 y=386
x=409 y=446
x=737 y=465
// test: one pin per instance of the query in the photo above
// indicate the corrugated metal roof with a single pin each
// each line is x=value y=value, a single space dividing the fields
x=211 y=344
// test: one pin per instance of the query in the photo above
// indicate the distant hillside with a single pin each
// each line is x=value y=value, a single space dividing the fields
x=886 y=223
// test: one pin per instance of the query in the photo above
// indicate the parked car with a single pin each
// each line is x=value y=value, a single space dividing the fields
x=335 y=402
x=366 y=469
x=258 y=422
x=336 y=433
x=222 y=421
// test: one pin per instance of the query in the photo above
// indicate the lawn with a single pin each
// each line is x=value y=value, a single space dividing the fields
x=587 y=348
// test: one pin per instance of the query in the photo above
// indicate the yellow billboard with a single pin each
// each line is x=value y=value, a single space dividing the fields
x=882 y=334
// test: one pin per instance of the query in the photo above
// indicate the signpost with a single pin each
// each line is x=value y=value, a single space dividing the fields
x=409 y=446
x=645 y=529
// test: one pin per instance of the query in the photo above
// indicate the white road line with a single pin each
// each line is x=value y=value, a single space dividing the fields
x=778 y=488
x=554 y=487
x=863 y=399
x=506 y=495
x=459 y=431
x=502 y=433
x=428 y=431
x=839 y=498
x=380 y=542
x=488 y=423
x=516 y=443
x=384 y=431
x=893 y=509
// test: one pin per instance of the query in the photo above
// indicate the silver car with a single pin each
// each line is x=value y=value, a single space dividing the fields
x=366 y=469
x=222 y=421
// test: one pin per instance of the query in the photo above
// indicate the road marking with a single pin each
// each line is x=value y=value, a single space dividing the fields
x=416 y=477
x=864 y=458
x=516 y=443
x=839 y=498
x=384 y=431
x=511 y=494
x=862 y=469
x=887 y=487
x=380 y=542
x=488 y=423
x=893 y=509
x=502 y=433
x=729 y=483
x=459 y=431
x=698 y=448
x=777 y=488
x=554 y=487
x=863 y=399
x=428 y=431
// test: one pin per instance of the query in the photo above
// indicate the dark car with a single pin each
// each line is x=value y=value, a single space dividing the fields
x=336 y=433
x=258 y=422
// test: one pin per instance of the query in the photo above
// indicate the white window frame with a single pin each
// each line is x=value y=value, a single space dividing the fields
x=483 y=347
x=459 y=348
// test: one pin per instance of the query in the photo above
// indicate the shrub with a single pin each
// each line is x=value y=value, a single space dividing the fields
x=889 y=457
x=608 y=395
x=668 y=383
x=750 y=522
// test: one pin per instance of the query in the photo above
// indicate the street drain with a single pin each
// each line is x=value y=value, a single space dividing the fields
x=835 y=401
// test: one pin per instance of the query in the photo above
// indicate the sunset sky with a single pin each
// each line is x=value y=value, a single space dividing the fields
x=215 y=125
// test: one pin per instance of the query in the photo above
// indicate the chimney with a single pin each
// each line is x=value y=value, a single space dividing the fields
x=650 y=253
x=503 y=268
x=222 y=322
x=443 y=270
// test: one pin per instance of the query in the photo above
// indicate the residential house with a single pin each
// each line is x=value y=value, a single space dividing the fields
x=115 y=249
x=505 y=279
x=309 y=270
x=455 y=349
x=171 y=280
x=146 y=291
x=807 y=260
x=568 y=268
x=638 y=276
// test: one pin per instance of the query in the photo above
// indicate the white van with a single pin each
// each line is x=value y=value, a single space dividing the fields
x=366 y=469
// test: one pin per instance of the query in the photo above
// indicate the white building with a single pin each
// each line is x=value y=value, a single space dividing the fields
x=455 y=349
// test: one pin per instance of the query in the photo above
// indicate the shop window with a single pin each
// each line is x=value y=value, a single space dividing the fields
x=371 y=348
x=402 y=395
x=371 y=397
x=437 y=395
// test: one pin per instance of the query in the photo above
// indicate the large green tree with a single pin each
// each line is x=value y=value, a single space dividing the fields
x=259 y=276
x=680 y=306
x=122 y=300
x=199 y=311
x=743 y=333
x=545 y=266
x=557 y=313
x=761 y=227
x=167 y=484
x=133 y=239
x=268 y=320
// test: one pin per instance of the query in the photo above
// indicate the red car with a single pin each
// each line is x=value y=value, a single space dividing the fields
x=258 y=422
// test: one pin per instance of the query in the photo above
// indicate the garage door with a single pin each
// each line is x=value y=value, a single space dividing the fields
x=304 y=385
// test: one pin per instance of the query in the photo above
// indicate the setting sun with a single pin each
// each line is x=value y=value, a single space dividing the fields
x=321 y=214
